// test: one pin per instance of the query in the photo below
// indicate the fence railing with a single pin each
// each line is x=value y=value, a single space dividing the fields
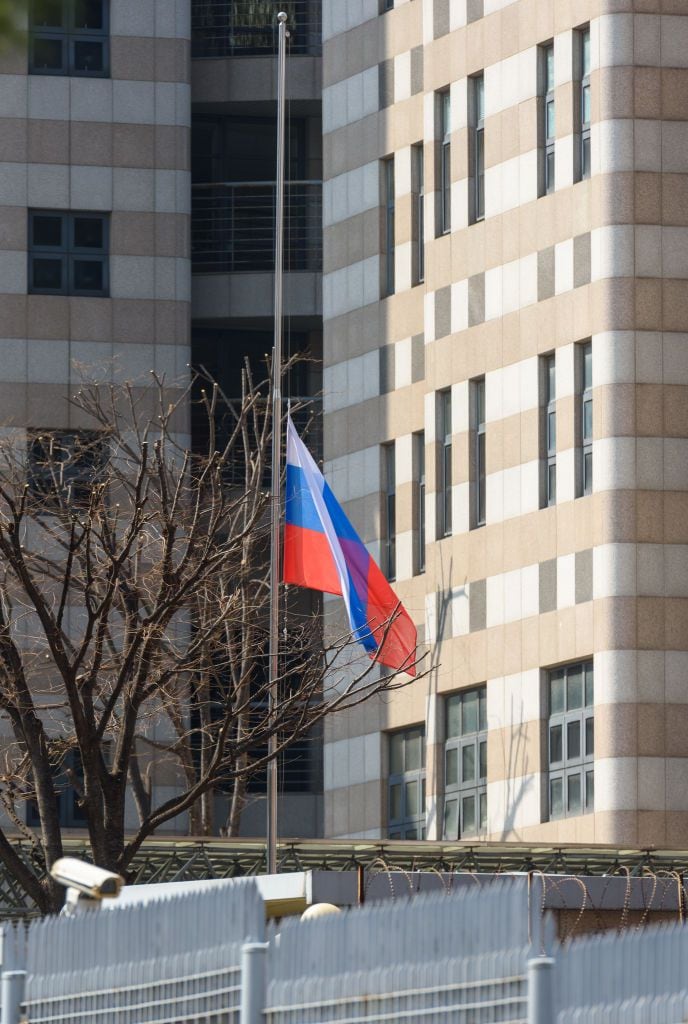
x=471 y=955
x=233 y=227
x=236 y=28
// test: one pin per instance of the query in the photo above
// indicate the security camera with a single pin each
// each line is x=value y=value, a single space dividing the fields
x=86 y=884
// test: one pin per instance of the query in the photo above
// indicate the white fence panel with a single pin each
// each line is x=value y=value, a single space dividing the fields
x=172 y=960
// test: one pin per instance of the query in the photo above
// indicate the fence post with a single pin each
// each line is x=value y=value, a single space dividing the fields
x=253 y=956
x=540 y=990
x=12 y=996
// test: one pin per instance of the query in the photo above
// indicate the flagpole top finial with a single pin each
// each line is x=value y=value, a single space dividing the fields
x=282 y=16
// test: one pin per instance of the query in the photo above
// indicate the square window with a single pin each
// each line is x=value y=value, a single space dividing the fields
x=68 y=253
x=69 y=37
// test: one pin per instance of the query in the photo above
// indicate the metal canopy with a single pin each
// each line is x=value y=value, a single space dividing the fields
x=174 y=860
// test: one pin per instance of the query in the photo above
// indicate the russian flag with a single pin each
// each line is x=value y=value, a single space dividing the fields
x=323 y=551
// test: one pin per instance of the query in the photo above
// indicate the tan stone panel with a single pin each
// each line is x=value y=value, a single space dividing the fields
x=13 y=60
x=47 y=316
x=650 y=516
x=676 y=517
x=674 y=198
x=13 y=402
x=133 y=145
x=650 y=195
x=674 y=305
x=674 y=84
x=90 y=319
x=13 y=316
x=172 y=147
x=676 y=634
x=515 y=751
x=133 y=57
x=47 y=405
x=89 y=143
x=494 y=550
x=651 y=613
x=615 y=624
x=615 y=411
x=675 y=730
x=675 y=398
x=617 y=729
x=652 y=828
x=133 y=320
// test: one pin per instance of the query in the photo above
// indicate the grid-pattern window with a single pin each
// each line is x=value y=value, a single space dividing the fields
x=476 y=96
x=584 y=416
x=444 y=183
x=583 y=113
x=69 y=37
x=406 y=786
x=547 y=128
x=571 y=740
x=418 y=213
x=64 y=467
x=419 y=501
x=444 y=489
x=388 y=225
x=465 y=764
x=68 y=253
x=549 y=431
x=390 y=520
x=478 y=462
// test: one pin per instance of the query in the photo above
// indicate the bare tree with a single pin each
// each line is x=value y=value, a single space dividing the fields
x=133 y=623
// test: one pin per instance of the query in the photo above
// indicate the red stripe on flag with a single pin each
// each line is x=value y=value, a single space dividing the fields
x=308 y=560
x=399 y=648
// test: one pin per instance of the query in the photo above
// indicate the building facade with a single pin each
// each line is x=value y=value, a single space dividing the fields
x=506 y=409
x=120 y=120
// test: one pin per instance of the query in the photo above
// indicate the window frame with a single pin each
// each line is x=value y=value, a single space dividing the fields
x=547 y=108
x=476 y=120
x=69 y=253
x=548 y=427
x=456 y=793
x=584 y=419
x=580 y=765
x=43 y=489
x=444 y=464
x=69 y=35
x=419 y=502
x=389 y=509
x=405 y=777
x=388 y=240
x=582 y=169
x=418 y=213
x=444 y=160
x=478 y=461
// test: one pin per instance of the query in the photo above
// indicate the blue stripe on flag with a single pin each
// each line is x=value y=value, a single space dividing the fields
x=300 y=508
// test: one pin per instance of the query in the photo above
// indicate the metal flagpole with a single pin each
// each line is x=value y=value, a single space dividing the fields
x=275 y=546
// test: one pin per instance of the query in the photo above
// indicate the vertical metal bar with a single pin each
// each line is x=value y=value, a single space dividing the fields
x=13 y=983
x=253 y=956
x=276 y=449
x=540 y=990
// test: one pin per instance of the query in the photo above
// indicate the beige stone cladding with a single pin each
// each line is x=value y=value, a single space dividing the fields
x=599 y=578
x=119 y=145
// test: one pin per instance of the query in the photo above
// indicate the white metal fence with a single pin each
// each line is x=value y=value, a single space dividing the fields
x=469 y=956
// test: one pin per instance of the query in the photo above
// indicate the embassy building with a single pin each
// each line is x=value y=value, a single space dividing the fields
x=499 y=297
x=506 y=409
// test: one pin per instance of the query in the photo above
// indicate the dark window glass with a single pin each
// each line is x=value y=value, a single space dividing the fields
x=68 y=37
x=47 y=274
x=88 y=56
x=68 y=253
x=465 y=759
x=88 y=233
x=47 y=230
x=571 y=740
x=406 y=784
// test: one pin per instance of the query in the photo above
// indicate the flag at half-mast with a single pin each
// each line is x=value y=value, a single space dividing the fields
x=323 y=551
